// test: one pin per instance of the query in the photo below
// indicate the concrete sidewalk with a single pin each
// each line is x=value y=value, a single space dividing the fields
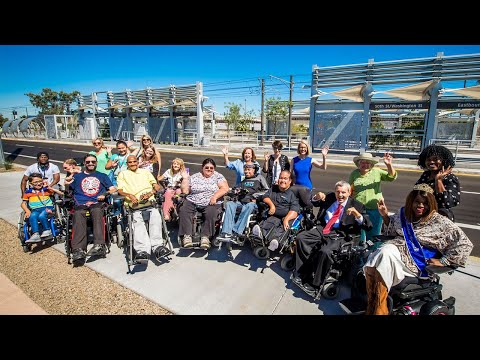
x=197 y=282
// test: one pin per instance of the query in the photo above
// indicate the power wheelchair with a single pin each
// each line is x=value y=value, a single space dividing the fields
x=110 y=231
x=197 y=222
x=412 y=296
x=344 y=262
x=125 y=223
x=57 y=226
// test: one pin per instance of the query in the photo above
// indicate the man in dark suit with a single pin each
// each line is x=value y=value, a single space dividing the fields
x=339 y=213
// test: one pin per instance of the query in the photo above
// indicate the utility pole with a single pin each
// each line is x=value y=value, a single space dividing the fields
x=289 y=124
x=262 y=114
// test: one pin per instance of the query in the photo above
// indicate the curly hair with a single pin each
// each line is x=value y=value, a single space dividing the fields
x=436 y=150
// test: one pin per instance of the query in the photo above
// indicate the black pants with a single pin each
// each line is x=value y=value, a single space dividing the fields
x=313 y=254
x=79 y=240
x=187 y=211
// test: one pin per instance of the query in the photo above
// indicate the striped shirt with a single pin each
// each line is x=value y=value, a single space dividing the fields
x=38 y=199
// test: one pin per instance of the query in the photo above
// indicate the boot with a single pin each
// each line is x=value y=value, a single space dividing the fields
x=377 y=293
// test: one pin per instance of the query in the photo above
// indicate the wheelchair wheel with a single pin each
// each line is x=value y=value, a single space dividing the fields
x=120 y=237
x=436 y=307
x=288 y=262
x=20 y=224
x=330 y=291
x=26 y=248
x=261 y=252
x=216 y=242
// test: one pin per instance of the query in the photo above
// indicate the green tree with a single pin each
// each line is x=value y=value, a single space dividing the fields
x=232 y=117
x=245 y=120
x=276 y=110
x=3 y=120
x=51 y=102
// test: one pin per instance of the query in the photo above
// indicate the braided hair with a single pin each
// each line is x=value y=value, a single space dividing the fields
x=436 y=150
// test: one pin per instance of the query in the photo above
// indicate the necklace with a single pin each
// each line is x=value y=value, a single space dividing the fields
x=416 y=222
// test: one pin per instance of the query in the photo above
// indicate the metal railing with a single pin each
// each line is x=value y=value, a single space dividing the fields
x=450 y=143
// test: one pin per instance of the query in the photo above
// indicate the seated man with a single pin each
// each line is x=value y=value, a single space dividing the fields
x=284 y=209
x=247 y=202
x=338 y=212
x=139 y=185
x=50 y=172
x=89 y=187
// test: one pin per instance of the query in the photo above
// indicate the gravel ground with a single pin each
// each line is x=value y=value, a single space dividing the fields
x=61 y=289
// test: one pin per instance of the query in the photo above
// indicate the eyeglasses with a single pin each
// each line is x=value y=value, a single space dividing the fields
x=146 y=140
x=208 y=167
x=37 y=183
x=90 y=161
x=132 y=162
x=97 y=143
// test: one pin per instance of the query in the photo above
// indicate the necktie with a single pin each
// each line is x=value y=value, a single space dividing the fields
x=333 y=219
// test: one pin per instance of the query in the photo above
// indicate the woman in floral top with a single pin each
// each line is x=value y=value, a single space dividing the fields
x=205 y=191
x=438 y=163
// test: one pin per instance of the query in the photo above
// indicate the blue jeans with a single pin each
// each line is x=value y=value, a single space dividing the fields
x=229 y=223
x=42 y=215
x=377 y=222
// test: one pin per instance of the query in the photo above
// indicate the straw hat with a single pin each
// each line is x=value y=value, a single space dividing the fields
x=365 y=156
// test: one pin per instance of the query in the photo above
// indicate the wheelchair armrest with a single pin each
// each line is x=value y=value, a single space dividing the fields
x=433 y=269
x=383 y=238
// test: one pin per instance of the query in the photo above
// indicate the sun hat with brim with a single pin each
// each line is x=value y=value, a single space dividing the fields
x=365 y=156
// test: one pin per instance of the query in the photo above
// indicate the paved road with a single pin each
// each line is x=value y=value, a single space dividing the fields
x=23 y=152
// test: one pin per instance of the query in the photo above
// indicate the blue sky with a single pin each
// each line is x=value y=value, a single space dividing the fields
x=92 y=68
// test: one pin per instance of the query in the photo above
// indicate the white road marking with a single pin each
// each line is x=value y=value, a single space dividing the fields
x=470 y=192
x=34 y=157
x=24 y=145
x=468 y=226
x=79 y=151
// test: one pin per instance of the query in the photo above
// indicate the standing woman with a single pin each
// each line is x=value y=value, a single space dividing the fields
x=302 y=164
x=274 y=164
x=145 y=142
x=248 y=156
x=103 y=154
x=438 y=162
x=366 y=187
x=147 y=159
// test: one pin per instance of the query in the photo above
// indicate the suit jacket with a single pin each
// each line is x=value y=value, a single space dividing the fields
x=348 y=224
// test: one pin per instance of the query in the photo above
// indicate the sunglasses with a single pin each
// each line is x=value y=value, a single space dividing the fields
x=208 y=167
x=146 y=140
x=132 y=162
x=90 y=162
x=97 y=143
x=37 y=183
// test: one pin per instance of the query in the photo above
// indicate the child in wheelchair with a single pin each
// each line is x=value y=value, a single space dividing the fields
x=38 y=205
x=243 y=198
x=171 y=180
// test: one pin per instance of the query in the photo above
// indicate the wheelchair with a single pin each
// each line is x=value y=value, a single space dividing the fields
x=57 y=226
x=345 y=262
x=255 y=216
x=111 y=229
x=126 y=223
x=197 y=221
x=412 y=296
x=173 y=212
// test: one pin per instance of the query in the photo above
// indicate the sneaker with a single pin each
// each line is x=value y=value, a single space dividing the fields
x=78 y=257
x=205 y=243
x=297 y=280
x=161 y=251
x=225 y=237
x=187 y=241
x=46 y=233
x=142 y=257
x=273 y=245
x=257 y=231
x=97 y=250
x=34 y=238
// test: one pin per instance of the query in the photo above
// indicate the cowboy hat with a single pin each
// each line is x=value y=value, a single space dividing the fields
x=365 y=156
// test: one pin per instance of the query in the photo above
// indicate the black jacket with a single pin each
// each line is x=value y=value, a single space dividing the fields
x=348 y=224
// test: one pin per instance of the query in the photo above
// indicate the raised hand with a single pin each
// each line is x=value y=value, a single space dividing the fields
x=443 y=172
x=382 y=208
x=325 y=150
x=353 y=211
x=266 y=155
x=109 y=149
x=387 y=158
x=130 y=143
x=224 y=150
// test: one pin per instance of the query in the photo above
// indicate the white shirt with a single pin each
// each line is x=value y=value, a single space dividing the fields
x=46 y=173
x=333 y=208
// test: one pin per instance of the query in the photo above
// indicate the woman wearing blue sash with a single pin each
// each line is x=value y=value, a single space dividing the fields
x=422 y=237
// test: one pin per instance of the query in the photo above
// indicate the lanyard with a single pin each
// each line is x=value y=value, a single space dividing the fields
x=43 y=172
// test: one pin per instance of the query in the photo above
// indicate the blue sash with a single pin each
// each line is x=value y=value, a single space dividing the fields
x=419 y=254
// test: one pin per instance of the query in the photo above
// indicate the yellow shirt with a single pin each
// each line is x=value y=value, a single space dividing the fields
x=136 y=183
